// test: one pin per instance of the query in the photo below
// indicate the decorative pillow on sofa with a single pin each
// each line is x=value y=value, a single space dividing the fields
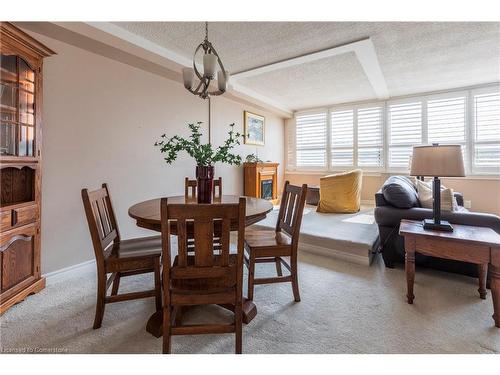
x=448 y=201
x=340 y=192
x=399 y=192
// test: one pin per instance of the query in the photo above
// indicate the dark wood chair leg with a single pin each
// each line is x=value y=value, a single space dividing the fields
x=167 y=344
x=116 y=284
x=295 y=278
x=100 y=304
x=278 y=266
x=238 y=323
x=158 y=295
x=251 y=276
x=483 y=270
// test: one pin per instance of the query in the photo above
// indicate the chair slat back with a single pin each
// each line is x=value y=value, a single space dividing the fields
x=291 y=210
x=190 y=185
x=217 y=186
x=190 y=188
x=206 y=221
x=101 y=220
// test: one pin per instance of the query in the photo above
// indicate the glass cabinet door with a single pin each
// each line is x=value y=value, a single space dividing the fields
x=17 y=111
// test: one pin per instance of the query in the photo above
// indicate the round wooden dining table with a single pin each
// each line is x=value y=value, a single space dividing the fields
x=147 y=215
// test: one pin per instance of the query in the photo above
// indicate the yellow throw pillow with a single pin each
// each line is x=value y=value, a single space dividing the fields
x=340 y=192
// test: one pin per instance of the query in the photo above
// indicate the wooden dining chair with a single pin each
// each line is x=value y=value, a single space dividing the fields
x=118 y=257
x=190 y=188
x=264 y=246
x=204 y=277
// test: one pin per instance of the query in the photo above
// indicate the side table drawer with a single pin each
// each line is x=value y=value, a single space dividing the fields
x=449 y=249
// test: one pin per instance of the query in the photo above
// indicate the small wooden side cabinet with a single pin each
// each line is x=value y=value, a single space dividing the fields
x=20 y=164
x=261 y=180
x=477 y=245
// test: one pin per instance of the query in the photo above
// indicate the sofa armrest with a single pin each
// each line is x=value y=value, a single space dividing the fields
x=379 y=199
x=391 y=216
x=460 y=198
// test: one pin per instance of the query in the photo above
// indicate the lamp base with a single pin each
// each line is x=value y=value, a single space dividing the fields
x=443 y=226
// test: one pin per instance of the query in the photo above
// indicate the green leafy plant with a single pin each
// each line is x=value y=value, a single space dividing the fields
x=204 y=154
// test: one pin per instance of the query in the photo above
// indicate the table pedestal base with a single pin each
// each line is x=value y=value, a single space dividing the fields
x=155 y=322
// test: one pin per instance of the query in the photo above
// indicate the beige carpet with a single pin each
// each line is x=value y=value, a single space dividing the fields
x=345 y=308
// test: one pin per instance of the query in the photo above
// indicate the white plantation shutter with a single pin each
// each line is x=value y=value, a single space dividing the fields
x=310 y=138
x=290 y=145
x=342 y=138
x=405 y=131
x=381 y=135
x=486 y=119
x=370 y=137
x=446 y=121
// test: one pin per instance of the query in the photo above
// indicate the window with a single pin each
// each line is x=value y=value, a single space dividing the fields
x=310 y=140
x=405 y=131
x=381 y=135
x=446 y=122
x=361 y=127
x=342 y=124
x=486 y=120
x=370 y=137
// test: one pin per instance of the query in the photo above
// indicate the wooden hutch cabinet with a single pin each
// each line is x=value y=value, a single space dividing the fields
x=20 y=164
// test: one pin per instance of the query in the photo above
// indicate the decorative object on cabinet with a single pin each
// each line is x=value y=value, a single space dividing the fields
x=253 y=158
x=254 y=129
x=204 y=154
x=261 y=180
x=20 y=164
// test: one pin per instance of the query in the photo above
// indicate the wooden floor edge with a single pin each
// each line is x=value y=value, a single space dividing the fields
x=21 y=296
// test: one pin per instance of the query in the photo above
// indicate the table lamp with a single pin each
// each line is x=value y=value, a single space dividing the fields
x=437 y=161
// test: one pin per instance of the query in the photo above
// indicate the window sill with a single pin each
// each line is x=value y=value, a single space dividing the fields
x=393 y=173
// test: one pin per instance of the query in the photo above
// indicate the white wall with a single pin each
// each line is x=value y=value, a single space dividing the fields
x=100 y=120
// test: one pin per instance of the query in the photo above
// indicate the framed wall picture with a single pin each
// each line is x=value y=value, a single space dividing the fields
x=254 y=128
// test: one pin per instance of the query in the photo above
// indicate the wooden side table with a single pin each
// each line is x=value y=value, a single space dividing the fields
x=466 y=243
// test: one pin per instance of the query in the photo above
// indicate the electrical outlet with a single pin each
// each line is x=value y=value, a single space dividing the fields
x=467 y=204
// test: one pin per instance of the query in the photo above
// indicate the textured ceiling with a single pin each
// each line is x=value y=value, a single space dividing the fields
x=414 y=57
x=322 y=82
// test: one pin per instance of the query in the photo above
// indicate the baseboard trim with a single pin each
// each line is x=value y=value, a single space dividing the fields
x=76 y=268
x=337 y=254
x=368 y=202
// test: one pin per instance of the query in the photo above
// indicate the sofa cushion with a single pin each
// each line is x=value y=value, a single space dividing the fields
x=399 y=192
x=340 y=193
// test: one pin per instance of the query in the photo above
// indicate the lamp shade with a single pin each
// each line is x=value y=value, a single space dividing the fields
x=437 y=161
x=209 y=65
x=187 y=76
x=222 y=80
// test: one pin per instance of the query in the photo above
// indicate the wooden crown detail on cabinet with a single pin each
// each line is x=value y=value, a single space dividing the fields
x=20 y=164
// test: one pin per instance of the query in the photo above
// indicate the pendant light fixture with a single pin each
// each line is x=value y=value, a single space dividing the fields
x=212 y=67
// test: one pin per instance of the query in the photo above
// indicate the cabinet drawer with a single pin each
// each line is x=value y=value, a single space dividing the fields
x=24 y=215
x=18 y=216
